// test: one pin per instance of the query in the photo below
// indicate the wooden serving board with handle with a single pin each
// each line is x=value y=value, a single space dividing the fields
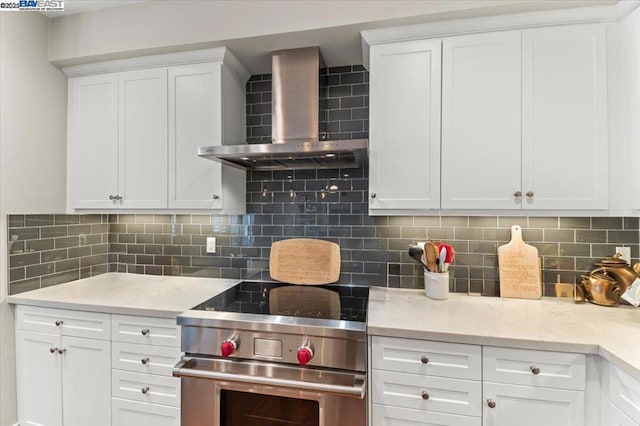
x=305 y=261
x=519 y=268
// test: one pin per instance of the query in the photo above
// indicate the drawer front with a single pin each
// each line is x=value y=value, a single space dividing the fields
x=131 y=413
x=91 y=325
x=434 y=394
x=145 y=330
x=624 y=391
x=617 y=417
x=158 y=389
x=534 y=368
x=144 y=358
x=426 y=357
x=394 y=416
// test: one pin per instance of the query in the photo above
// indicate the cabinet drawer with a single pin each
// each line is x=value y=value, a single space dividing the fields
x=144 y=358
x=617 y=417
x=159 y=389
x=132 y=413
x=145 y=330
x=426 y=357
x=434 y=394
x=91 y=325
x=534 y=368
x=624 y=391
x=394 y=416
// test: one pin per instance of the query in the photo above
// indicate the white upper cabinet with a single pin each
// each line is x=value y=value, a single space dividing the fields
x=404 y=145
x=92 y=146
x=524 y=120
x=134 y=135
x=481 y=124
x=142 y=153
x=197 y=117
x=564 y=118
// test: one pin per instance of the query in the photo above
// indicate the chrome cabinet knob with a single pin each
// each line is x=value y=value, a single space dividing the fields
x=517 y=194
x=425 y=395
x=59 y=323
x=118 y=197
x=145 y=331
x=424 y=359
x=216 y=197
x=53 y=350
x=491 y=403
x=145 y=390
x=144 y=361
x=535 y=370
x=112 y=197
x=529 y=194
x=373 y=195
x=61 y=351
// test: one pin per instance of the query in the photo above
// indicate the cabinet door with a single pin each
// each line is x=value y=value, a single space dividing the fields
x=195 y=119
x=531 y=406
x=86 y=382
x=404 y=144
x=617 y=418
x=384 y=415
x=142 y=156
x=93 y=141
x=564 y=118
x=481 y=121
x=39 y=378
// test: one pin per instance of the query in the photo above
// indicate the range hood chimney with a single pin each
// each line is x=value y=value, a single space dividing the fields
x=296 y=143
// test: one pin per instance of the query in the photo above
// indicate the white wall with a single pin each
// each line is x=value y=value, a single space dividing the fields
x=33 y=98
x=154 y=26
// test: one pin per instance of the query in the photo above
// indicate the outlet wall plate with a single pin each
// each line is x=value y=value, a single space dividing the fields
x=625 y=252
x=211 y=244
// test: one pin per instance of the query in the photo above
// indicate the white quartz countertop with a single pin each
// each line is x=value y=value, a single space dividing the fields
x=128 y=294
x=548 y=324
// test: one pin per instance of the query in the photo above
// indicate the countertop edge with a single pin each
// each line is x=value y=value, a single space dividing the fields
x=106 y=309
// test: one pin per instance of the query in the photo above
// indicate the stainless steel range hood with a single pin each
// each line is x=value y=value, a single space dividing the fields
x=295 y=142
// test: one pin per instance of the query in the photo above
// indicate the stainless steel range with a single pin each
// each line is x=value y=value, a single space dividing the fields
x=275 y=354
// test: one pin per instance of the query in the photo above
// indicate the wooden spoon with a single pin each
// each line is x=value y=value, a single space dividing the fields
x=430 y=250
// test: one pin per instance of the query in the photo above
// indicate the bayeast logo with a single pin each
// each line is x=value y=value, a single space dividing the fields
x=35 y=5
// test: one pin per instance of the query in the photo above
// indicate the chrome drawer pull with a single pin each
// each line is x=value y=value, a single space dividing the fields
x=535 y=370
x=53 y=350
x=425 y=395
x=491 y=403
x=144 y=361
x=145 y=390
x=61 y=351
x=145 y=331
x=424 y=359
x=59 y=323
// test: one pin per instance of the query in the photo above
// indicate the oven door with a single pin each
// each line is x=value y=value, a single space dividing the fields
x=219 y=392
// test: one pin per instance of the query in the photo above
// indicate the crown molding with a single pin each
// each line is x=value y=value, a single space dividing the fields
x=218 y=54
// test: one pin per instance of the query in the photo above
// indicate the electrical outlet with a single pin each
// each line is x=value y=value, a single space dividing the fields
x=625 y=252
x=211 y=244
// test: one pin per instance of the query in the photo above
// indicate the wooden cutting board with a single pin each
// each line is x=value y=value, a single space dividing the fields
x=305 y=261
x=519 y=268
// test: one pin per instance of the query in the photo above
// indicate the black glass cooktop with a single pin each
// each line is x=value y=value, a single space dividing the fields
x=342 y=302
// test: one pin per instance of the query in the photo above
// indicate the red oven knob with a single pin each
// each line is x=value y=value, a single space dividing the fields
x=305 y=353
x=228 y=347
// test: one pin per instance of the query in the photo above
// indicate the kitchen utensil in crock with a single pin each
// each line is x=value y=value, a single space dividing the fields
x=416 y=253
x=601 y=289
x=431 y=254
x=442 y=258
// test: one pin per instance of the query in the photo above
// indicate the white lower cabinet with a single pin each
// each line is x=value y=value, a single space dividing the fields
x=145 y=349
x=624 y=399
x=617 y=418
x=62 y=380
x=78 y=368
x=426 y=383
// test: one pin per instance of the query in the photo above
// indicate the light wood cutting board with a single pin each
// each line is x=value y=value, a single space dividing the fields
x=305 y=261
x=519 y=268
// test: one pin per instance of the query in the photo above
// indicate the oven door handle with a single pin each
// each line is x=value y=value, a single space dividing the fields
x=357 y=390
